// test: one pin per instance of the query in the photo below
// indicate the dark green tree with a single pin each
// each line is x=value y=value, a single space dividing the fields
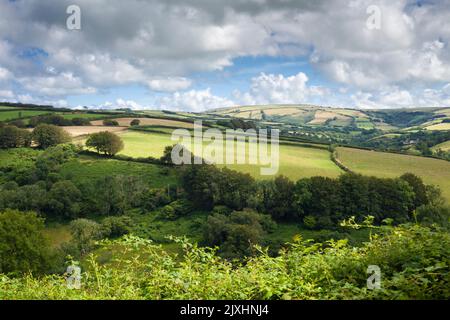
x=23 y=247
x=47 y=135
x=106 y=142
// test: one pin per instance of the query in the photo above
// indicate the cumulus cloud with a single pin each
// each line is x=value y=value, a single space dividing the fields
x=393 y=97
x=62 y=84
x=159 y=44
x=169 y=84
x=5 y=74
x=278 y=89
x=8 y=94
x=193 y=100
x=119 y=104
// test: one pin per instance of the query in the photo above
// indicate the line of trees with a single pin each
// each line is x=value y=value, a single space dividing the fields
x=316 y=202
x=44 y=136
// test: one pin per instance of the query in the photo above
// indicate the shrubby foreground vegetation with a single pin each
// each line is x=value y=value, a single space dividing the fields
x=414 y=261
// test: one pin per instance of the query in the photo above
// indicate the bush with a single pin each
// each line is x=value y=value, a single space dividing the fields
x=84 y=233
x=51 y=159
x=155 y=198
x=413 y=260
x=110 y=123
x=135 y=122
x=115 y=227
x=64 y=200
x=23 y=248
x=429 y=214
x=167 y=212
x=310 y=222
x=236 y=233
x=81 y=122
x=18 y=123
x=182 y=207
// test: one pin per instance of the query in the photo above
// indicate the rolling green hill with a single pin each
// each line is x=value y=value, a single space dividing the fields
x=340 y=117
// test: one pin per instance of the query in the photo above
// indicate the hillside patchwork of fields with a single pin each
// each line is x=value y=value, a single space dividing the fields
x=340 y=117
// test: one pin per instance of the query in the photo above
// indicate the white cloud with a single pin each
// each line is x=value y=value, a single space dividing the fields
x=63 y=84
x=278 y=89
x=5 y=74
x=159 y=44
x=119 y=104
x=393 y=97
x=193 y=100
x=169 y=84
x=8 y=94
x=27 y=98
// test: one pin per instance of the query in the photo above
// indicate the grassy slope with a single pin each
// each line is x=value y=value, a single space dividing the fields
x=93 y=168
x=383 y=164
x=12 y=115
x=444 y=146
x=295 y=162
x=439 y=126
x=84 y=115
x=138 y=144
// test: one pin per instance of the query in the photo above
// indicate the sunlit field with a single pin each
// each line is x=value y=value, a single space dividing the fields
x=388 y=165
x=295 y=161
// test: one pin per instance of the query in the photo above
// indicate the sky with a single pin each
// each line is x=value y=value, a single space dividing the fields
x=195 y=55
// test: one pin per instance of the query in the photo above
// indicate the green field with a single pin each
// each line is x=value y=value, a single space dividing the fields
x=13 y=115
x=2 y=108
x=89 y=116
x=92 y=168
x=388 y=165
x=142 y=145
x=444 y=146
x=295 y=161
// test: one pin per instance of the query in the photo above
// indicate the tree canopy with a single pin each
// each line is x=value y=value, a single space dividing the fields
x=106 y=142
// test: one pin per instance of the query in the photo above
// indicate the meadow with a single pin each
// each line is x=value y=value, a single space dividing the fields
x=439 y=126
x=4 y=108
x=18 y=114
x=444 y=146
x=92 y=116
x=295 y=161
x=89 y=168
x=389 y=165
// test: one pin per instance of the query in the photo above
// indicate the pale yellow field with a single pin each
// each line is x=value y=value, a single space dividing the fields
x=321 y=117
x=439 y=126
x=125 y=122
x=444 y=146
x=76 y=131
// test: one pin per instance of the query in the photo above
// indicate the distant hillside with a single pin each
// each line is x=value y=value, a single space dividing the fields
x=430 y=118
